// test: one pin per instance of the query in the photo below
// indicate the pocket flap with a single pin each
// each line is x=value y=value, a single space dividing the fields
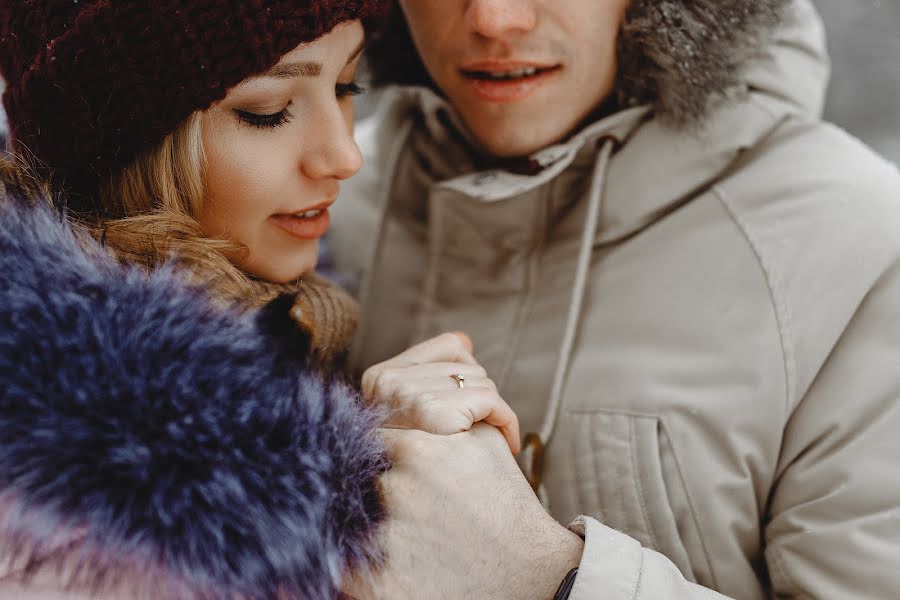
x=619 y=467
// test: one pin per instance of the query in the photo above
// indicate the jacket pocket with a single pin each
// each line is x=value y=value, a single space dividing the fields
x=626 y=474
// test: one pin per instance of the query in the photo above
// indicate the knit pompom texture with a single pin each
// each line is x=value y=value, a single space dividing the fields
x=91 y=84
x=166 y=441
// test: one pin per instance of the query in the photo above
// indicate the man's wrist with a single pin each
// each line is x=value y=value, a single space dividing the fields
x=566 y=585
x=572 y=559
x=550 y=568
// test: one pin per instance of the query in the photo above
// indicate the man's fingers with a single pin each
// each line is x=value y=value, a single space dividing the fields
x=400 y=443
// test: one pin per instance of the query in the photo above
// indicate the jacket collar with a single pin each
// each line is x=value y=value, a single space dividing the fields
x=656 y=168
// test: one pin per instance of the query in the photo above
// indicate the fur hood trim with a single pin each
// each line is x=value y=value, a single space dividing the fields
x=681 y=56
x=168 y=438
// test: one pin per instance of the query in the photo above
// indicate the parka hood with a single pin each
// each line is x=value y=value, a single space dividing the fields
x=683 y=56
x=787 y=77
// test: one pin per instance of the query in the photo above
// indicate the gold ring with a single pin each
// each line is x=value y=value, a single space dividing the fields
x=460 y=380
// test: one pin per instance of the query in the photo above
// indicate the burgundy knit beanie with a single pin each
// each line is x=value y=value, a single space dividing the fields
x=92 y=83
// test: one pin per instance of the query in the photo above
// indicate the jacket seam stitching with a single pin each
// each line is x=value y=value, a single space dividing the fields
x=779 y=307
x=636 y=588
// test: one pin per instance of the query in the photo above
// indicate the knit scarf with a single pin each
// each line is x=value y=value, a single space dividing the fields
x=322 y=311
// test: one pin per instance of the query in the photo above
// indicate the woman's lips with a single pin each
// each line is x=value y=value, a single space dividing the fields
x=506 y=83
x=304 y=228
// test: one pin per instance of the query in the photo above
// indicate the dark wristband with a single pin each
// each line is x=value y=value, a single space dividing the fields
x=565 y=588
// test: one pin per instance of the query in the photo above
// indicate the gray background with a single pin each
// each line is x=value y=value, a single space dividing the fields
x=864 y=96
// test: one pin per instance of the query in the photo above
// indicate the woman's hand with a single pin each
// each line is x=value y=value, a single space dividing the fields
x=419 y=390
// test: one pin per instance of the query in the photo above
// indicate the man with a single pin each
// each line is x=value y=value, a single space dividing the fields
x=685 y=284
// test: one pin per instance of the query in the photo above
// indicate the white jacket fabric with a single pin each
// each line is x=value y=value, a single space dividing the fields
x=703 y=328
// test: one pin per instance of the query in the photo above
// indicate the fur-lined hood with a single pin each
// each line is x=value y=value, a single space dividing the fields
x=656 y=167
x=678 y=55
x=158 y=435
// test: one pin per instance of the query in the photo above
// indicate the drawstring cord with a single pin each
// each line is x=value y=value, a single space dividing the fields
x=535 y=443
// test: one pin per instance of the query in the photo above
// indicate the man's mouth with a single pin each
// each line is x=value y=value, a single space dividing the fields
x=507 y=75
x=506 y=82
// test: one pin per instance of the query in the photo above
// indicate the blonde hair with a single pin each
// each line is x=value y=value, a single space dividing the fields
x=19 y=178
x=149 y=213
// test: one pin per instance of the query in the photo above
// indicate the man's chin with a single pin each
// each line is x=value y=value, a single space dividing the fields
x=516 y=141
x=516 y=131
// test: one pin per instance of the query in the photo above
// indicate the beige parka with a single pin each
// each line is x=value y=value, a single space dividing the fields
x=704 y=328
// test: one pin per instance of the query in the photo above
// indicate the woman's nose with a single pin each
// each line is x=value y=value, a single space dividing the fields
x=334 y=155
x=499 y=18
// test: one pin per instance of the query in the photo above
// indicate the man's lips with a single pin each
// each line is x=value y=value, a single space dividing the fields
x=309 y=223
x=507 y=81
x=505 y=66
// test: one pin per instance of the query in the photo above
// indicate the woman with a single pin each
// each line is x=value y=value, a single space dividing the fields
x=200 y=145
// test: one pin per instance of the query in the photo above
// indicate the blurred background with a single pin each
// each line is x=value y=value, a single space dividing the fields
x=864 y=96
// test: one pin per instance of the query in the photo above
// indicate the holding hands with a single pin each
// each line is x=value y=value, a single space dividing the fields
x=454 y=491
x=438 y=387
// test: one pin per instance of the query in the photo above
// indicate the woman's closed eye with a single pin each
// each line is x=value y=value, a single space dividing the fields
x=264 y=121
x=282 y=117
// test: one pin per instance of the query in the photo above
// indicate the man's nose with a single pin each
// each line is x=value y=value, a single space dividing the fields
x=500 y=18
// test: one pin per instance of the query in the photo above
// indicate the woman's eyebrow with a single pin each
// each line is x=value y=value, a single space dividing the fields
x=305 y=68
x=294 y=69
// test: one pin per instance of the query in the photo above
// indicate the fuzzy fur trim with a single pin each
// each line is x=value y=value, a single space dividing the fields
x=683 y=56
x=166 y=438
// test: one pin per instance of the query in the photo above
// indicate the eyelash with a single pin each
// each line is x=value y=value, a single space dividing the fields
x=264 y=121
x=282 y=117
x=349 y=89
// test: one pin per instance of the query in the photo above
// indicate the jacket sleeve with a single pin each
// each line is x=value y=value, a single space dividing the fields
x=617 y=567
x=832 y=525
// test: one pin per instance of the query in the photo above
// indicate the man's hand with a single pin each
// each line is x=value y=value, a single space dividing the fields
x=464 y=523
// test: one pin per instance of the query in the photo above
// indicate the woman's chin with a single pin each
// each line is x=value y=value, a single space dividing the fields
x=283 y=270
